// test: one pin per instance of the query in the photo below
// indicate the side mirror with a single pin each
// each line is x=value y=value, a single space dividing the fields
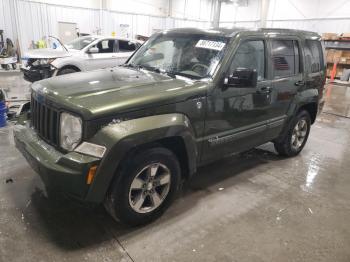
x=242 y=77
x=93 y=50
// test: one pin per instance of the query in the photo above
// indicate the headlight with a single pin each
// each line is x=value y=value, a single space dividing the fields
x=43 y=61
x=70 y=131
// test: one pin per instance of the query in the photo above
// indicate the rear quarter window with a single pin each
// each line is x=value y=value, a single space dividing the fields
x=126 y=46
x=313 y=56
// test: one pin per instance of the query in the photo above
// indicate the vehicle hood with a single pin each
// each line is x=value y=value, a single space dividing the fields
x=48 y=53
x=107 y=92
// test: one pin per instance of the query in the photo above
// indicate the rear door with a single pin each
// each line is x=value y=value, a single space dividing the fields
x=287 y=78
x=314 y=65
x=125 y=50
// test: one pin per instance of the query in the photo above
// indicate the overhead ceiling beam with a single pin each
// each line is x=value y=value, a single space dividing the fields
x=216 y=13
x=264 y=11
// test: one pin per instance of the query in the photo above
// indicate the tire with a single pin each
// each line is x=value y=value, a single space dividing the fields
x=66 y=71
x=140 y=206
x=297 y=134
x=14 y=66
x=7 y=67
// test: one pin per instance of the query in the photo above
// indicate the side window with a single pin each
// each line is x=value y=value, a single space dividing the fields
x=313 y=56
x=106 y=46
x=250 y=55
x=298 y=58
x=285 y=58
x=126 y=46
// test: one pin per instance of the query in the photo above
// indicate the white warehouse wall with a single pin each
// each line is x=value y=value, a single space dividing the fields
x=240 y=15
x=30 y=20
x=315 y=15
x=151 y=7
x=74 y=3
x=191 y=9
x=7 y=21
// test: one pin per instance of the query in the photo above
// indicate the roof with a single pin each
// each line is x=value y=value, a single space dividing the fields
x=230 y=32
x=109 y=37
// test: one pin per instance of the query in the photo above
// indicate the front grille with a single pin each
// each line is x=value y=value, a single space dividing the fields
x=45 y=121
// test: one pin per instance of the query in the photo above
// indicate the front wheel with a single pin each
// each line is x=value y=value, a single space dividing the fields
x=295 y=139
x=145 y=187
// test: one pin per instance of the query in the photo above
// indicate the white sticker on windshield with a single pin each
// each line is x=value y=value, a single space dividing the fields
x=215 y=45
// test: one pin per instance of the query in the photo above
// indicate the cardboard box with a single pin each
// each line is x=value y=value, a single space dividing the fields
x=337 y=55
x=330 y=36
x=342 y=60
x=345 y=35
x=346 y=54
x=339 y=72
x=330 y=55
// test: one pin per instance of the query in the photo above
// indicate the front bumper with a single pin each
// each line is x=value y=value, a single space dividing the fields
x=33 y=74
x=63 y=172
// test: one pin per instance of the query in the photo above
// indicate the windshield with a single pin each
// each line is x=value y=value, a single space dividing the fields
x=195 y=56
x=80 y=43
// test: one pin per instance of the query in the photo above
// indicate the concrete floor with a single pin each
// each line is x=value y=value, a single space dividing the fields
x=253 y=207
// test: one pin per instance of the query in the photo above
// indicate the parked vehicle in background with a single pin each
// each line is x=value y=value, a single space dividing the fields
x=126 y=137
x=82 y=54
x=8 y=56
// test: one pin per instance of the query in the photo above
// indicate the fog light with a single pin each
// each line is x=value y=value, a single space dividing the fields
x=91 y=149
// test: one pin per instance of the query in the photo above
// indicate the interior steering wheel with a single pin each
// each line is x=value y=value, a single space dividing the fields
x=205 y=67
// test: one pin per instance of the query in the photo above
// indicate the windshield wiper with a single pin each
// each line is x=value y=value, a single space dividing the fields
x=171 y=74
x=130 y=65
x=150 y=68
x=174 y=73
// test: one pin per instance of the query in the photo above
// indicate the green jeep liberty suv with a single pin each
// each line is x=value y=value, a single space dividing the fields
x=126 y=136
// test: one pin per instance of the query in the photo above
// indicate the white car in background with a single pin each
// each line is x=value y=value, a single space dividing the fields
x=82 y=54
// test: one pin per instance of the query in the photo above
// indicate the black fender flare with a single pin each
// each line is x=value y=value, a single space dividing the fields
x=119 y=138
x=304 y=97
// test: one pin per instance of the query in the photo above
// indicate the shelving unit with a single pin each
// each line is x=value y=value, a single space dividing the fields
x=337 y=44
x=337 y=51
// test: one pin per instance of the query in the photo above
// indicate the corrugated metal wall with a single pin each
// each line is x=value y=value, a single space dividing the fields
x=314 y=15
x=33 y=20
x=36 y=20
x=7 y=21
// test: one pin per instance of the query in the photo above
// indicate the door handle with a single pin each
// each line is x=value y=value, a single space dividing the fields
x=264 y=90
x=299 y=83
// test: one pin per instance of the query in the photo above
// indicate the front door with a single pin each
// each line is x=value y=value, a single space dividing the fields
x=237 y=116
x=106 y=56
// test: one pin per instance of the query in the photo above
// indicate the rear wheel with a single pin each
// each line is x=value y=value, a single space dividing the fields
x=295 y=139
x=14 y=66
x=66 y=71
x=145 y=187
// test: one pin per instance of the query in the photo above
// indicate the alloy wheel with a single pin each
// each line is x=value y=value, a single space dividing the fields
x=299 y=134
x=149 y=188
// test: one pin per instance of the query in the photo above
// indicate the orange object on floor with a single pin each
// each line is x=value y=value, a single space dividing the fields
x=334 y=72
